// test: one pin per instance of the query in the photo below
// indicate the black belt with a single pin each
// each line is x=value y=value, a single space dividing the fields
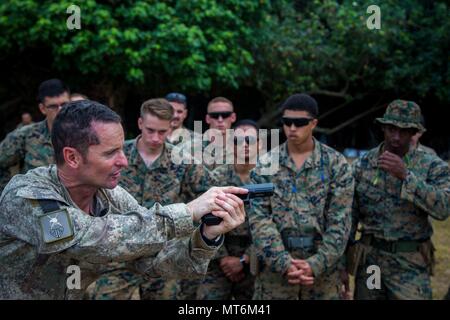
x=393 y=246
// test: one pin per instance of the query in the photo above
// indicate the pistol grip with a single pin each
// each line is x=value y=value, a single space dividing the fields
x=211 y=220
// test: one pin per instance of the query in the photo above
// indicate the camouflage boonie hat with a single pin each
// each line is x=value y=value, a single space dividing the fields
x=403 y=114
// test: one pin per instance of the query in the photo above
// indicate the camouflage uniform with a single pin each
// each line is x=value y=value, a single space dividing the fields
x=308 y=217
x=219 y=162
x=30 y=144
x=34 y=266
x=183 y=134
x=215 y=285
x=426 y=149
x=164 y=182
x=189 y=150
x=21 y=125
x=394 y=215
x=4 y=178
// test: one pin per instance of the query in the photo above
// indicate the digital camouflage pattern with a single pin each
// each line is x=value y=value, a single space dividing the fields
x=164 y=182
x=34 y=269
x=30 y=144
x=183 y=135
x=124 y=231
x=391 y=209
x=215 y=285
x=426 y=149
x=200 y=150
x=314 y=201
x=26 y=148
x=402 y=114
x=4 y=178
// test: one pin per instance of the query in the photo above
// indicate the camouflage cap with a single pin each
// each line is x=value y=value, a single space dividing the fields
x=403 y=114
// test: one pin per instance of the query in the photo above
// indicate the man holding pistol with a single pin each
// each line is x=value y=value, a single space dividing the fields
x=73 y=216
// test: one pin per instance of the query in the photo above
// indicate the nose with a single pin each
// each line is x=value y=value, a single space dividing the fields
x=292 y=127
x=122 y=160
x=396 y=135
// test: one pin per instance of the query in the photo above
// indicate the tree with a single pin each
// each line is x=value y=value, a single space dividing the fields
x=326 y=49
x=207 y=46
x=189 y=45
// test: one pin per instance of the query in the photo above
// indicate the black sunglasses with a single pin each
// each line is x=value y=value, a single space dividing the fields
x=176 y=97
x=216 y=115
x=298 y=122
x=250 y=140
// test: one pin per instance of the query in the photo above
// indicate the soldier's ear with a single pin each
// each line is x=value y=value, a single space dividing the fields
x=140 y=123
x=208 y=119
x=42 y=109
x=72 y=157
x=233 y=117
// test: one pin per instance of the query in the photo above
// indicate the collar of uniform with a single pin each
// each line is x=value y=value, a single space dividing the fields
x=42 y=128
x=373 y=161
x=43 y=182
x=164 y=158
x=177 y=139
x=313 y=161
x=284 y=155
x=234 y=177
x=162 y=161
x=134 y=157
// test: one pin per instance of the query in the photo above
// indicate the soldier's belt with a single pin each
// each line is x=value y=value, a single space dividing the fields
x=394 y=246
x=241 y=241
x=293 y=243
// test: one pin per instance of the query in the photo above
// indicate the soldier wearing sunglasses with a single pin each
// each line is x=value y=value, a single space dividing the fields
x=30 y=146
x=228 y=274
x=151 y=177
x=300 y=233
x=220 y=117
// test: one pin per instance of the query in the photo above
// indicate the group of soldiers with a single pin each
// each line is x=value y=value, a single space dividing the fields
x=327 y=218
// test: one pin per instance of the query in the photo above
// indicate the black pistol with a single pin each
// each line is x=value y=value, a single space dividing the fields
x=254 y=191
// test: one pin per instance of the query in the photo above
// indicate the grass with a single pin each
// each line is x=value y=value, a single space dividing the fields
x=441 y=239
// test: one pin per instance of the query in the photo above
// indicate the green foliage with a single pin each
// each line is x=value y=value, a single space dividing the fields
x=326 y=45
x=277 y=46
x=195 y=44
